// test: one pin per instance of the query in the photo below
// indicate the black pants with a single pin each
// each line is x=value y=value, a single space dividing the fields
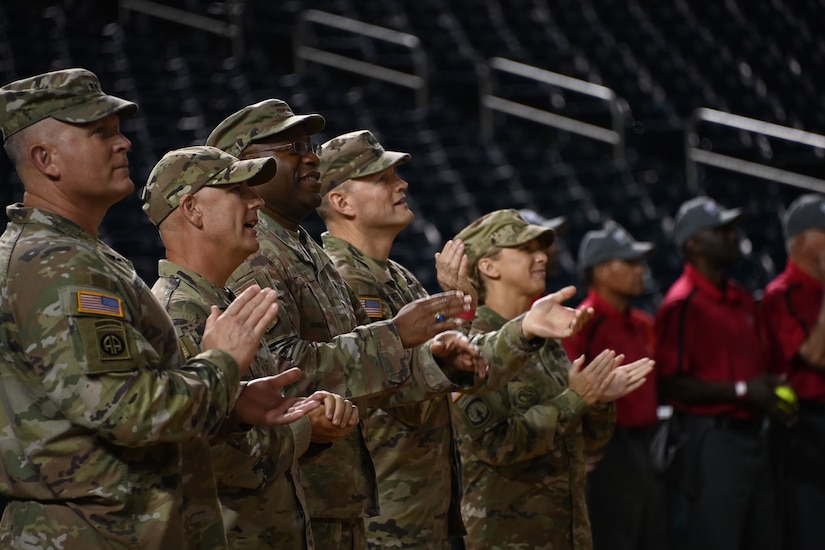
x=624 y=496
x=799 y=454
x=725 y=485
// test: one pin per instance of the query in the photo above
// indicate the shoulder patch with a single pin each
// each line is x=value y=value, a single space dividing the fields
x=111 y=340
x=98 y=303
x=373 y=306
x=525 y=397
x=478 y=412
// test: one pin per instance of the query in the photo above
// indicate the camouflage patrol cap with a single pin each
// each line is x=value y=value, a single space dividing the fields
x=500 y=229
x=186 y=170
x=69 y=95
x=354 y=155
x=258 y=121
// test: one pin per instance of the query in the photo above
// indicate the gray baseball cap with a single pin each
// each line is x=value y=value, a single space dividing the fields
x=612 y=242
x=557 y=224
x=806 y=212
x=701 y=213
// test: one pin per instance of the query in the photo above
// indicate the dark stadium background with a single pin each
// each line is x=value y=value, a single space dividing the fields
x=761 y=59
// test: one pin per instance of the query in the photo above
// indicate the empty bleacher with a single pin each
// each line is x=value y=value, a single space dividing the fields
x=757 y=58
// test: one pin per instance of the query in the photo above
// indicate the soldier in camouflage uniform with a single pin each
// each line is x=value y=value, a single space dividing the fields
x=524 y=447
x=200 y=199
x=412 y=444
x=96 y=398
x=321 y=325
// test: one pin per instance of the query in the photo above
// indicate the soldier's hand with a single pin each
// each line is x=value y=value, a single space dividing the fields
x=422 y=319
x=261 y=401
x=340 y=411
x=336 y=418
x=548 y=318
x=590 y=381
x=239 y=329
x=451 y=265
x=454 y=349
x=626 y=378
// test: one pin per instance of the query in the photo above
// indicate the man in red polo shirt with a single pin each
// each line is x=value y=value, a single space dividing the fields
x=794 y=305
x=623 y=492
x=712 y=368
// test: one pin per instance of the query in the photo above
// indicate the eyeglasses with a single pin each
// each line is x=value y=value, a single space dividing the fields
x=299 y=148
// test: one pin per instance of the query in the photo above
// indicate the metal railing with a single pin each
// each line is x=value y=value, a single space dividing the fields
x=695 y=155
x=232 y=29
x=489 y=102
x=304 y=52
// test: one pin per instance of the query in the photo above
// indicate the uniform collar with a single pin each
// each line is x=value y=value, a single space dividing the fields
x=797 y=275
x=17 y=213
x=210 y=293
x=377 y=268
x=490 y=316
x=299 y=241
x=698 y=280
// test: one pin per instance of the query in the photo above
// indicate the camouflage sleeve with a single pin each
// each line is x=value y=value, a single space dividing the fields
x=365 y=362
x=428 y=378
x=507 y=351
x=597 y=426
x=85 y=340
x=502 y=427
x=500 y=436
x=246 y=446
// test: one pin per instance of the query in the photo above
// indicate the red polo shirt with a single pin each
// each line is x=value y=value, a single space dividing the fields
x=710 y=334
x=791 y=305
x=630 y=333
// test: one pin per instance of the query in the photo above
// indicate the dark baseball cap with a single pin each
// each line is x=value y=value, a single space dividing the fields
x=612 y=242
x=806 y=212
x=701 y=213
x=258 y=121
x=557 y=224
x=69 y=95
x=189 y=169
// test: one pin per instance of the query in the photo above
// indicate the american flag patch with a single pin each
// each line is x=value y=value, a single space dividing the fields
x=102 y=304
x=373 y=307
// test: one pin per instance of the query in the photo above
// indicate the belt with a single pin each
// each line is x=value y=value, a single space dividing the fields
x=813 y=408
x=737 y=424
x=634 y=433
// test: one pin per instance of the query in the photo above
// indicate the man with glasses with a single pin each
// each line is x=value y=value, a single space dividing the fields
x=321 y=325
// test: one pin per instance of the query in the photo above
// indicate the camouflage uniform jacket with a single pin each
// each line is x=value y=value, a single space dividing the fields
x=523 y=450
x=258 y=481
x=96 y=398
x=413 y=444
x=318 y=330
